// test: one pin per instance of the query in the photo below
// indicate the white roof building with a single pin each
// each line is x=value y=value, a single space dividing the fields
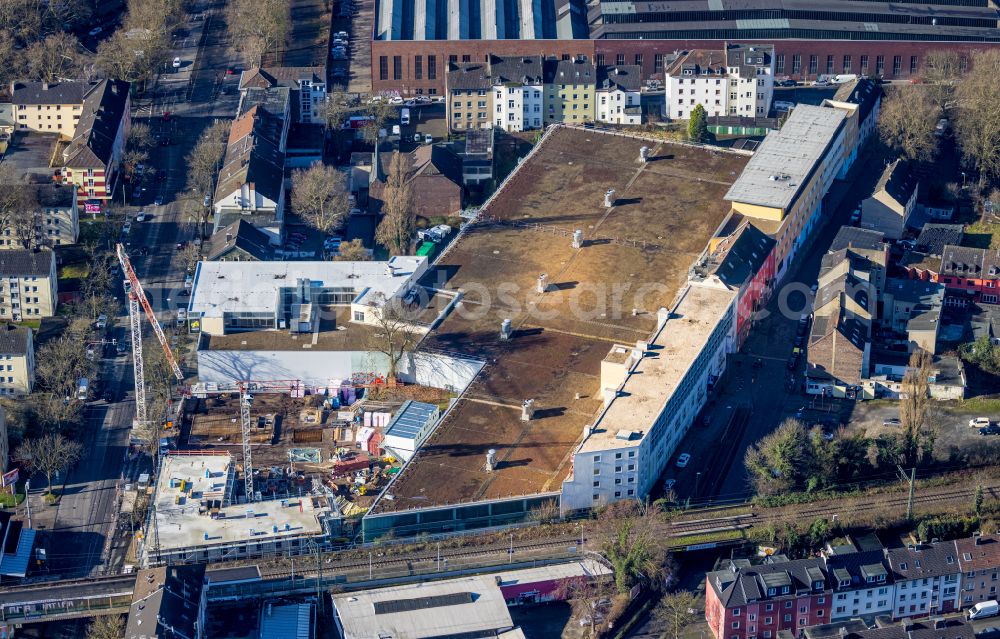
x=424 y=610
x=239 y=296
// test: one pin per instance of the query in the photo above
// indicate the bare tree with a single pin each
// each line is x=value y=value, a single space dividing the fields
x=22 y=18
x=319 y=196
x=335 y=110
x=106 y=627
x=134 y=56
x=630 y=538
x=906 y=122
x=676 y=610
x=131 y=159
x=913 y=405
x=25 y=229
x=49 y=454
x=377 y=109
x=392 y=333
x=942 y=72
x=140 y=137
x=56 y=57
x=189 y=256
x=590 y=598
x=61 y=363
x=397 y=223
x=206 y=157
x=977 y=121
x=71 y=13
x=13 y=201
x=11 y=59
x=353 y=251
x=258 y=25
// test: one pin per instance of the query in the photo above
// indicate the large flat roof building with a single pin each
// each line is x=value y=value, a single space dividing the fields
x=567 y=327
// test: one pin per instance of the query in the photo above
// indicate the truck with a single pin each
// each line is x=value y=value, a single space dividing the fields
x=347 y=467
x=984 y=609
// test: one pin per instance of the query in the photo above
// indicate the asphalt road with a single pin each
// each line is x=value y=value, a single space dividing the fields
x=81 y=540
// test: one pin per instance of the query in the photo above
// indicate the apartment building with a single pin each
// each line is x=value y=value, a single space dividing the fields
x=28 y=284
x=783 y=186
x=570 y=89
x=307 y=85
x=517 y=92
x=17 y=369
x=893 y=201
x=49 y=107
x=926 y=579
x=618 y=95
x=979 y=561
x=860 y=580
x=969 y=274
x=469 y=96
x=251 y=182
x=737 y=80
x=861 y=100
x=50 y=217
x=744 y=600
x=91 y=159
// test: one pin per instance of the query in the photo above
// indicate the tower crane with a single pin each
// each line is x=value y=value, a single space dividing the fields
x=137 y=297
x=247 y=389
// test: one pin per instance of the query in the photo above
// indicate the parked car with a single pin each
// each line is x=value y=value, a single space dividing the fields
x=992 y=429
x=141 y=217
x=177 y=63
x=787 y=82
x=683 y=460
x=207 y=201
x=102 y=322
x=126 y=228
x=892 y=421
x=158 y=201
x=979 y=422
x=821 y=82
x=95 y=31
x=434 y=234
x=855 y=217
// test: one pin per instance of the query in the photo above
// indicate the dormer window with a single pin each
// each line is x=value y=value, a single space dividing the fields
x=881 y=578
x=817 y=585
x=771 y=592
x=870 y=579
x=950 y=559
x=844 y=583
x=902 y=566
x=784 y=590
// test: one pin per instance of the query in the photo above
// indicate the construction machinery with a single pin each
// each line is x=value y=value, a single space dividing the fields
x=137 y=297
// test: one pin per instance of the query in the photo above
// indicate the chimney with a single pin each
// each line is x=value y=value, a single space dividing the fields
x=45 y=86
x=939 y=623
x=229 y=236
x=979 y=539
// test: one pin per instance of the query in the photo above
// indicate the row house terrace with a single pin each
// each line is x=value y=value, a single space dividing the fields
x=745 y=601
x=926 y=577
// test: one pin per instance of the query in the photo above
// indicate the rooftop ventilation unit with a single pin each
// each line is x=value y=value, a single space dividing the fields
x=609 y=198
x=527 y=410
x=644 y=154
x=577 y=239
x=506 y=330
x=543 y=283
x=491 y=460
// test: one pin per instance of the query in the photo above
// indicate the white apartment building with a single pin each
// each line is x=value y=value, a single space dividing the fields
x=517 y=92
x=927 y=579
x=737 y=81
x=627 y=447
x=28 y=284
x=618 y=94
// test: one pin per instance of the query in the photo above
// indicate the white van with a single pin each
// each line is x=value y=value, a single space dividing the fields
x=782 y=105
x=984 y=609
x=82 y=389
x=404 y=116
